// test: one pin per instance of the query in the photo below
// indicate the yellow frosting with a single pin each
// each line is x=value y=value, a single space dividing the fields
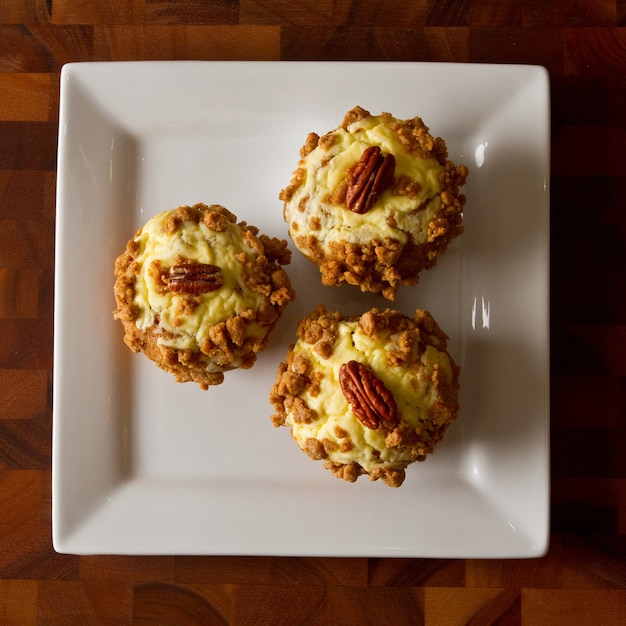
x=414 y=395
x=193 y=242
x=326 y=166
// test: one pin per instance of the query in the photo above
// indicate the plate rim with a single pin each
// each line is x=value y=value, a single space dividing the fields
x=62 y=542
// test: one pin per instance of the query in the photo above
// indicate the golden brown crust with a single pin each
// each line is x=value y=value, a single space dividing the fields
x=227 y=346
x=405 y=339
x=382 y=266
x=354 y=115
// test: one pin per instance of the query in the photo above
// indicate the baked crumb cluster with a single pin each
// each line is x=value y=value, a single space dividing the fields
x=406 y=354
x=200 y=293
x=412 y=220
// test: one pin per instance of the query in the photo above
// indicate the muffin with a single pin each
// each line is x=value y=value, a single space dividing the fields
x=374 y=202
x=367 y=394
x=200 y=293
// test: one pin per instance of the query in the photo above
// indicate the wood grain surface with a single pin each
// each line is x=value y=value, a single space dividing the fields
x=582 y=579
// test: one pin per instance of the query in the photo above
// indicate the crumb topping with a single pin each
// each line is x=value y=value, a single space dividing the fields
x=421 y=212
x=408 y=354
x=199 y=335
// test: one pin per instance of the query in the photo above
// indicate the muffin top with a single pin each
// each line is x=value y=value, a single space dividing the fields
x=378 y=179
x=195 y=280
x=324 y=175
x=367 y=394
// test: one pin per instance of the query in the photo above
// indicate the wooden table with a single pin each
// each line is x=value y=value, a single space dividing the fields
x=582 y=580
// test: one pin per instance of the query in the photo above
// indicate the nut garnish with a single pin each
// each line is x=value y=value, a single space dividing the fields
x=372 y=175
x=193 y=278
x=370 y=400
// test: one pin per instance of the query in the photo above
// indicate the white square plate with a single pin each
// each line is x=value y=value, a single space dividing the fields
x=145 y=465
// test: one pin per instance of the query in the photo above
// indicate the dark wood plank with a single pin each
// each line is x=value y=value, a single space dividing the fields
x=97 y=11
x=127 y=568
x=25 y=11
x=43 y=48
x=214 y=43
x=166 y=603
x=62 y=602
x=583 y=575
x=299 y=13
x=27 y=194
x=375 y=605
x=551 y=606
x=26 y=243
x=29 y=145
x=352 y=43
x=472 y=606
x=518 y=573
x=26 y=554
x=191 y=12
x=18 y=601
x=26 y=443
x=518 y=45
x=416 y=572
x=26 y=344
x=26 y=394
x=25 y=97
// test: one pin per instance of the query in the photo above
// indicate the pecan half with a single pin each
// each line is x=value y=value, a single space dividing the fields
x=372 y=175
x=370 y=400
x=193 y=278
